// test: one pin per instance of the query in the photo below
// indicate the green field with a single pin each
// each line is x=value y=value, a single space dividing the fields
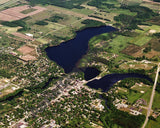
x=153 y=124
x=156 y=102
x=118 y=43
x=83 y=11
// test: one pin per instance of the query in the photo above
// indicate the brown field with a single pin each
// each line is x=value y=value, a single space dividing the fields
x=155 y=20
x=149 y=55
x=28 y=57
x=136 y=66
x=25 y=49
x=15 y=12
x=23 y=36
x=152 y=54
x=131 y=49
x=136 y=51
x=154 y=44
x=28 y=52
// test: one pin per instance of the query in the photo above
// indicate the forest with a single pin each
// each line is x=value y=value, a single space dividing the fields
x=65 y=3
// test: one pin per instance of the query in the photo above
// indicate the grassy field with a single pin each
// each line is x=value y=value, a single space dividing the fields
x=156 y=102
x=118 y=43
x=153 y=124
x=10 y=29
x=122 y=11
x=134 y=96
x=83 y=11
x=146 y=95
x=141 y=39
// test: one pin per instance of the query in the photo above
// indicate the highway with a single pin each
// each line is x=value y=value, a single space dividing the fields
x=152 y=97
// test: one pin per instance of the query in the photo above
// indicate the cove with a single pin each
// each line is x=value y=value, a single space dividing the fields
x=68 y=53
x=109 y=80
x=90 y=73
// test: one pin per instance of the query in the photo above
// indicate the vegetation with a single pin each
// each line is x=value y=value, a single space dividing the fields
x=131 y=22
x=17 y=23
x=5 y=73
x=55 y=18
x=101 y=3
x=28 y=11
x=92 y=23
x=129 y=82
x=41 y=23
x=14 y=23
x=157 y=35
x=66 y=4
x=10 y=96
x=123 y=119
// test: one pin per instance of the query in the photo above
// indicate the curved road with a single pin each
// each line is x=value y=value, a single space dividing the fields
x=152 y=97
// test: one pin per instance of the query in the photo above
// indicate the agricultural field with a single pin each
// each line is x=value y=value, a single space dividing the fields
x=9 y=3
x=16 y=13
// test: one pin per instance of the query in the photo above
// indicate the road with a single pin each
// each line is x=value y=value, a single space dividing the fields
x=152 y=97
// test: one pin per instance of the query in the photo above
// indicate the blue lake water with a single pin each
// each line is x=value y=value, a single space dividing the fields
x=68 y=53
x=109 y=80
x=90 y=73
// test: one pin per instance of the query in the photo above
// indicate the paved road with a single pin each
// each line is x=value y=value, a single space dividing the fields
x=152 y=97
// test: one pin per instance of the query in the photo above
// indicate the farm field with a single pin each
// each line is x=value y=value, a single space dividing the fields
x=8 y=3
x=15 y=13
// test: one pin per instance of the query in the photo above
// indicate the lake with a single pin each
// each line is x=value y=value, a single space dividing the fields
x=90 y=73
x=68 y=53
x=109 y=80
